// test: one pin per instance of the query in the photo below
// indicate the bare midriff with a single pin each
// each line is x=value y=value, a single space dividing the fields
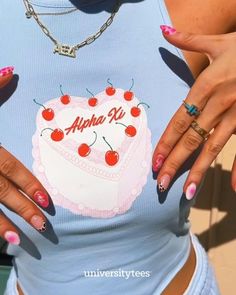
x=181 y=280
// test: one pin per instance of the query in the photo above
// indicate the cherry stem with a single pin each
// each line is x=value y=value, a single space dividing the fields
x=61 y=89
x=44 y=130
x=107 y=143
x=132 y=84
x=39 y=104
x=143 y=103
x=120 y=124
x=90 y=92
x=109 y=82
x=95 y=139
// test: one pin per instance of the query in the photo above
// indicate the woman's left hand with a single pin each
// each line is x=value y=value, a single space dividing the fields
x=214 y=94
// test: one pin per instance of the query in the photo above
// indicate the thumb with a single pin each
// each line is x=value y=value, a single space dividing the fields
x=6 y=75
x=207 y=44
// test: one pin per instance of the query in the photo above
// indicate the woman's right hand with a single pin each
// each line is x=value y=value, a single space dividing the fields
x=19 y=188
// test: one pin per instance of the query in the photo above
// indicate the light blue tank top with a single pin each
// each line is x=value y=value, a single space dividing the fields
x=94 y=155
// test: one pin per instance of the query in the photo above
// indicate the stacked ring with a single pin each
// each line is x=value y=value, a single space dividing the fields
x=202 y=132
x=192 y=110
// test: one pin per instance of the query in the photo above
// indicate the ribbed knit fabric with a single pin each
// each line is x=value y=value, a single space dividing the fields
x=203 y=281
x=118 y=221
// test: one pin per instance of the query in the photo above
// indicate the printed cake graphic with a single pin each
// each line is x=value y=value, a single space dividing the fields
x=93 y=154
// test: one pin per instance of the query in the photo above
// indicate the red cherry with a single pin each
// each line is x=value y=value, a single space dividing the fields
x=65 y=99
x=48 y=114
x=57 y=135
x=135 y=111
x=110 y=90
x=84 y=150
x=130 y=131
x=92 y=101
x=111 y=157
x=128 y=95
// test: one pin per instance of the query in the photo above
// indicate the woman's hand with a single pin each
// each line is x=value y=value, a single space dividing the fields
x=214 y=94
x=18 y=187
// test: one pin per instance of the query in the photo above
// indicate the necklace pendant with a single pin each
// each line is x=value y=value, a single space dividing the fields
x=65 y=50
x=28 y=14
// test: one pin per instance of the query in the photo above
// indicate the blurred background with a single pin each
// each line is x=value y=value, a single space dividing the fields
x=213 y=219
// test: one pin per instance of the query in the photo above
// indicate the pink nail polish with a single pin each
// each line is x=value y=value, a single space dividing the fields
x=38 y=223
x=12 y=237
x=167 y=30
x=41 y=198
x=6 y=71
x=159 y=162
x=164 y=183
x=190 y=191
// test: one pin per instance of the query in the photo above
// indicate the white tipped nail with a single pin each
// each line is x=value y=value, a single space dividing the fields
x=190 y=191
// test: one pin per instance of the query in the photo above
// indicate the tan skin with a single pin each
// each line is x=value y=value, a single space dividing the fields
x=205 y=27
x=212 y=17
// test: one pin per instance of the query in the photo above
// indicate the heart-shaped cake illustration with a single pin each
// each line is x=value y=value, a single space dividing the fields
x=93 y=155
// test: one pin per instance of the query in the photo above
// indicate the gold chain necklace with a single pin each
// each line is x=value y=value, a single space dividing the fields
x=65 y=49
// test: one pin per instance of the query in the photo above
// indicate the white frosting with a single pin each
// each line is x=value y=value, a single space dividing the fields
x=88 y=185
x=106 y=129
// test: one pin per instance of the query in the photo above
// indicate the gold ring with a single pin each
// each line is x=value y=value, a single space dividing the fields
x=202 y=132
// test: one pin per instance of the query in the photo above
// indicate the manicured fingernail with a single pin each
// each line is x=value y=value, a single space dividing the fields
x=12 y=237
x=159 y=162
x=38 y=223
x=6 y=71
x=164 y=183
x=190 y=191
x=41 y=198
x=167 y=30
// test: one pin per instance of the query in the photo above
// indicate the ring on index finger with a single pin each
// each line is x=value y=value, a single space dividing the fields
x=192 y=110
